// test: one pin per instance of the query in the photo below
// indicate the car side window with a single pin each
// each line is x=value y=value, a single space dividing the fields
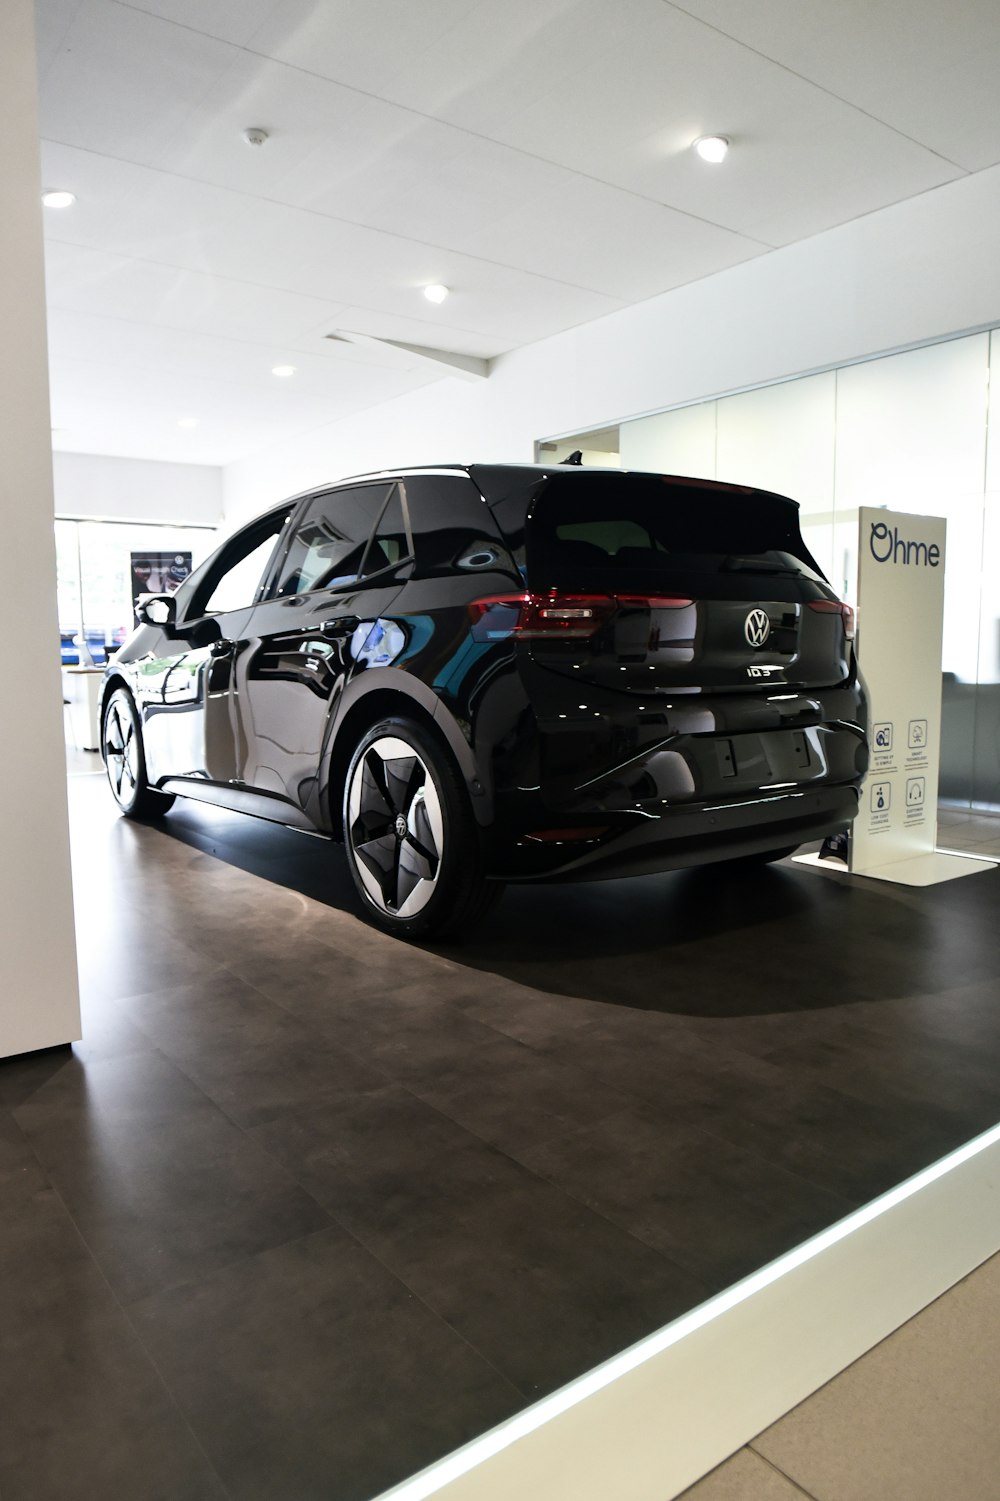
x=390 y=544
x=232 y=579
x=329 y=542
x=453 y=529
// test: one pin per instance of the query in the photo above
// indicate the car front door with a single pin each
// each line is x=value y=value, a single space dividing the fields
x=189 y=722
x=346 y=559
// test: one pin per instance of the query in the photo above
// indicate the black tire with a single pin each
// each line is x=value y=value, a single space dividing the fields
x=125 y=760
x=412 y=843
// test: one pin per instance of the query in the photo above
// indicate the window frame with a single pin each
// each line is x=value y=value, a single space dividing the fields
x=277 y=567
x=215 y=568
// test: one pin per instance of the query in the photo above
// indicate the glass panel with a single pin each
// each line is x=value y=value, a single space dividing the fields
x=68 y=591
x=329 y=541
x=782 y=438
x=985 y=712
x=615 y=532
x=911 y=435
x=238 y=585
x=681 y=442
x=101 y=551
x=390 y=544
x=911 y=428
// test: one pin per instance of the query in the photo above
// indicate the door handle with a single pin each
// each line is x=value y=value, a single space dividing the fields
x=340 y=625
x=222 y=648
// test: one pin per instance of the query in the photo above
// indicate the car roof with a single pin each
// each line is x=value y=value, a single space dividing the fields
x=489 y=476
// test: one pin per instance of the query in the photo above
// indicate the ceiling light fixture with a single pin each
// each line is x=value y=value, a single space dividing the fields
x=187 y=422
x=58 y=199
x=283 y=371
x=436 y=292
x=712 y=148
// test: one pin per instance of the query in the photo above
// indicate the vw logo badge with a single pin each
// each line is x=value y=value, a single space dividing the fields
x=757 y=627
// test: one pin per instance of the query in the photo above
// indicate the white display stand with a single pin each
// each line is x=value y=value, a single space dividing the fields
x=901 y=561
x=82 y=688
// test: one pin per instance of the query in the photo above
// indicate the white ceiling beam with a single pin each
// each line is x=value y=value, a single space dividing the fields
x=465 y=366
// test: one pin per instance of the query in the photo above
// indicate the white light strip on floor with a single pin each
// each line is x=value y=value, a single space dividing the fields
x=432 y=1480
x=968 y=854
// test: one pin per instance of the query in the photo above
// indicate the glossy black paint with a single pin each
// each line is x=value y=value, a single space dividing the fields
x=656 y=747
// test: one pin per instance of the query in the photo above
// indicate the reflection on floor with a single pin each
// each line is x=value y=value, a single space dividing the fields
x=309 y=1208
x=913 y=1420
x=972 y=833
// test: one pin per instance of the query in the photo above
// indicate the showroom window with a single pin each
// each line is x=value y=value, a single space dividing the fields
x=102 y=564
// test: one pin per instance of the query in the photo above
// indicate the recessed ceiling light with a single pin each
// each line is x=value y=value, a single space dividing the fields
x=187 y=422
x=283 y=371
x=58 y=199
x=436 y=293
x=712 y=148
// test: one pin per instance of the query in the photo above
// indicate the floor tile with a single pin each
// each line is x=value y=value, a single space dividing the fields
x=25 y=1073
x=497 y=1087
x=914 y=1418
x=246 y=1052
x=514 y=1097
x=161 y=1184
x=745 y=1477
x=713 y=1208
x=550 y=1138
x=84 y=1410
x=543 y=1286
x=310 y=1371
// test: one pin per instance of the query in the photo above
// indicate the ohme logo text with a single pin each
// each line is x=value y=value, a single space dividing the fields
x=887 y=546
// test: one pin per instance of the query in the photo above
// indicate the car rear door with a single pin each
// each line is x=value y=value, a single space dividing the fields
x=346 y=558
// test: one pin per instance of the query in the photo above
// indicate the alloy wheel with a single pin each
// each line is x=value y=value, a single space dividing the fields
x=121 y=753
x=395 y=826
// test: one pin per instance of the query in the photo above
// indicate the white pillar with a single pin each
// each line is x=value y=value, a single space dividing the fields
x=39 y=996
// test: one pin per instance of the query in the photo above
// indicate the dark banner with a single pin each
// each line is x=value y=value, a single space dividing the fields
x=158 y=572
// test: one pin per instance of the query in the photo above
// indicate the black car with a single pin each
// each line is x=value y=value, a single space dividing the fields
x=478 y=674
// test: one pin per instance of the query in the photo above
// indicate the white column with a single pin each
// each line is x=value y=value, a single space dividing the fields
x=39 y=997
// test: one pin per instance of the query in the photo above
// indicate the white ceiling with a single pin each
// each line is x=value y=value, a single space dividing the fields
x=532 y=155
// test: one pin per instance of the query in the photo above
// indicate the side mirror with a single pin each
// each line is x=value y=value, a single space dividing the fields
x=157 y=609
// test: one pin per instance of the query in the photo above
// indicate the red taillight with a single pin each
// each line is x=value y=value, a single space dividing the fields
x=569 y=617
x=655 y=601
x=555 y=616
x=834 y=607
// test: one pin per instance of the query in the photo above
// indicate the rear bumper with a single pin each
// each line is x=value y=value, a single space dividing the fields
x=685 y=835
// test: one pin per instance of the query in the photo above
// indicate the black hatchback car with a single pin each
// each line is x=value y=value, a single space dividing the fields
x=480 y=674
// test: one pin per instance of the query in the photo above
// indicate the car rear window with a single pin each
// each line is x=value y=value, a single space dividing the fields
x=622 y=529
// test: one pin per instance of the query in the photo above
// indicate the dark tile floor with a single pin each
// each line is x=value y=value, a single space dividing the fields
x=308 y=1208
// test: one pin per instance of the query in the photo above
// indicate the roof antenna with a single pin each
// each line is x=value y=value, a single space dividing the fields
x=576 y=457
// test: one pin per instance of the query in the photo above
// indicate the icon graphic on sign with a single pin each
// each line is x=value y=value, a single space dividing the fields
x=918 y=734
x=882 y=735
x=915 y=792
x=881 y=796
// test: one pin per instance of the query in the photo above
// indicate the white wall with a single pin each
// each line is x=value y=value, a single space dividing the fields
x=136 y=489
x=39 y=1001
x=920 y=270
